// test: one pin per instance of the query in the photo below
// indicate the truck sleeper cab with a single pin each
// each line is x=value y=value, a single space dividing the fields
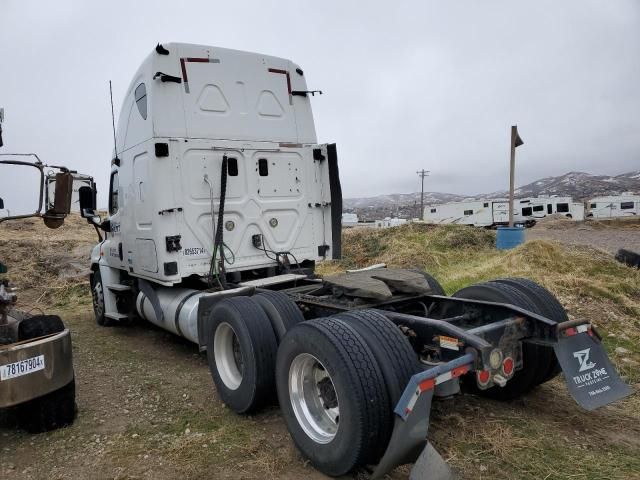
x=186 y=111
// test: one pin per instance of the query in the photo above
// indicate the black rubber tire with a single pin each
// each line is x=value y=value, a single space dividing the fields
x=53 y=410
x=365 y=410
x=535 y=358
x=97 y=295
x=283 y=312
x=629 y=258
x=393 y=353
x=39 y=326
x=258 y=347
x=549 y=307
x=396 y=358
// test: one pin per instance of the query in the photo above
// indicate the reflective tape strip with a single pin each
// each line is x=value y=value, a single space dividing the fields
x=412 y=401
x=427 y=384
x=425 y=381
x=571 y=331
x=445 y=377
x=183 y=68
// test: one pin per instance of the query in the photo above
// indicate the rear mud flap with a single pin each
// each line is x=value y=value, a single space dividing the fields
x=591 y=378
x=409 y=438
x=409 y=444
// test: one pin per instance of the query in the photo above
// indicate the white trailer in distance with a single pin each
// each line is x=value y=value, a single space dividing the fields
x=491 y=213
x=625 y=205
x=532 y=208
x=222 y=201
x=479 y=213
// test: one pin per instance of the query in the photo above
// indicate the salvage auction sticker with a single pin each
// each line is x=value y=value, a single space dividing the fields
x=22 y=367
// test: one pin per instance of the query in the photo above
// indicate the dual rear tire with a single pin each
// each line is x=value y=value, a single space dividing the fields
x=242 y=348
x=539 y=363
x=337 y=379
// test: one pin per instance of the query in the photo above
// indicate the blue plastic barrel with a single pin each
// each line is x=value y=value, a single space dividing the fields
x=509 y=237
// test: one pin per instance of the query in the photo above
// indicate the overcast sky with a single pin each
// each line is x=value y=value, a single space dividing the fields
x=408 y=85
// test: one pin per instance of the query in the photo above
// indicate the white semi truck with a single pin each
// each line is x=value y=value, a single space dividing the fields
x=221 y=202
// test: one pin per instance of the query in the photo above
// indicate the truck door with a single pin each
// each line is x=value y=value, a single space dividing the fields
x=112 y=250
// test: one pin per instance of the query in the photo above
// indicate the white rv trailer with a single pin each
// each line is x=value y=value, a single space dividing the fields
x=389 y=222
x=625 y=205
x=488 y=213
x=479 y=213
x=349 y=220
x=532 y=208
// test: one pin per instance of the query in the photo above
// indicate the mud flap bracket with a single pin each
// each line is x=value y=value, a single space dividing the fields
x=409 y=437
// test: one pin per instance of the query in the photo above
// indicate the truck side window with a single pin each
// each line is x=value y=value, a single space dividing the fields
x=526 y=212
x=263 y=167
x=562 y=208
x=141 y=99
x=114 y=185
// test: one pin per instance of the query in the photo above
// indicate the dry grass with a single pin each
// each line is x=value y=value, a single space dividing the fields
x=588 y=282
x=49 y=267
x=543 y=435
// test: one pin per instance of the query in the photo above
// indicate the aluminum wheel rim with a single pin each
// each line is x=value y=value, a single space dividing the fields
x=313 y=398
x=98 y=300
x=226 y=351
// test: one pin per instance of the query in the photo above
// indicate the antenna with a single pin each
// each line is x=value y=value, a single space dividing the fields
x=113 y=122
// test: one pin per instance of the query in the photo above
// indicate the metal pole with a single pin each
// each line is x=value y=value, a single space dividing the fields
x=422 y=173
x=512 y=166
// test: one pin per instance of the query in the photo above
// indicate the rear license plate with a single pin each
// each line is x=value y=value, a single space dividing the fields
x=22 y=367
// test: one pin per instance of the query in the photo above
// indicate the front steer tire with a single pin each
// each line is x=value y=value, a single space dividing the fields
x=311 y=353
x=97 y=294
x=241 y=351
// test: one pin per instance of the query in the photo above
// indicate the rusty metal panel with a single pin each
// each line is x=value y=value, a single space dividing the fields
x=57 y=371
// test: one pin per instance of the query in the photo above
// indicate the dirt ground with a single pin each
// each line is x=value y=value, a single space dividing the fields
x=147 y=407
x=604 y=235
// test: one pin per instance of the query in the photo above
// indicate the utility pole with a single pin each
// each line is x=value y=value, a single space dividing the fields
x=422 y=173
x=516 y=141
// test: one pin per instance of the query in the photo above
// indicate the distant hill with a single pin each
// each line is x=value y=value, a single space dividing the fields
x=400 y=199
x=579 y=185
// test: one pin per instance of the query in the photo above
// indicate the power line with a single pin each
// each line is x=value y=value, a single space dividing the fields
x=422 y=173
